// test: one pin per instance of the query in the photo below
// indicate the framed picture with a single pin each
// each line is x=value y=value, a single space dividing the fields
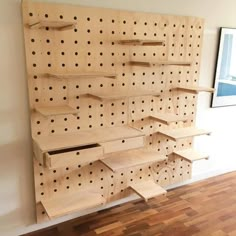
x=225 y=75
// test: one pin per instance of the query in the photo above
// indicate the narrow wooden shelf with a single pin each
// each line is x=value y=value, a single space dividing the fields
x=167 y=118
x=56 y=110
x=147 y=189
x=181 y=133
x=66 y=204
x=159 y=63
x=81 y=75
x=57 y=25
x=131 y=158
x=194 y=89
x=191 y=155
x=117 y=96
x=82 y=138
x=140 y=42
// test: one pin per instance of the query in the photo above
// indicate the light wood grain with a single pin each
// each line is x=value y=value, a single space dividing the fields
x=131 y=158
x=159 y=63
x=167 y=118
x=56 y=110
x=181 y=133
x=190 y=155
x=147 y=189
x=121 y=95
x=66 y=204
x=142 y=42
x=195 y=89
x=81 y=75
x=81 y=138
x=58 y=25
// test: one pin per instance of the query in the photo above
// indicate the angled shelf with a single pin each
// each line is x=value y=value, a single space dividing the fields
x=117 y=96
x=167 y=118
x=55 y=110
x=66 y=204
x=131 y=158
x=57 y=25
x=81 y=75
x=181 y=133
x=159 y=63
x=194 y=89
x=141 y=42
x=191 y=155
x=148 y=189
x=82 y=138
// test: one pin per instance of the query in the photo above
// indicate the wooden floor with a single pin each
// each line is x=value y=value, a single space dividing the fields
x=202 y=209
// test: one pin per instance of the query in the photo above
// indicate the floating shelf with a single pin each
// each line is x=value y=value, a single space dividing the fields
x=81 y=75
x=140 y=42
x=82 y=138
x=159 y=63
x=195 y=89
x=190 y=155
x=181 y=133
x=131 y=158
x=56 y=110
x=167 y=118
x=147 y=189
x=58 y=25
x=117 y=96
x=66 y=204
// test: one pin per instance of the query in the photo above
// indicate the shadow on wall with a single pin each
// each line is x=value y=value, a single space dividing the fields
x=16 y=181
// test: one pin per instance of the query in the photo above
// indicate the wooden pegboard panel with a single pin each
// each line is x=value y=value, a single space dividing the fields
x=91 y=42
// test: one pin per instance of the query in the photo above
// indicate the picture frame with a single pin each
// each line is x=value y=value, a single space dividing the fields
x=225 y=73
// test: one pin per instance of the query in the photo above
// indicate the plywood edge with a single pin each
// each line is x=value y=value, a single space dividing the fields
x=148 y=189
x=159 y=63
x=59 y=25
x=167 y=119
x=141 y=42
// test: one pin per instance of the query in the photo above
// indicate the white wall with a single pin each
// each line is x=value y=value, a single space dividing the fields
x=16 y=177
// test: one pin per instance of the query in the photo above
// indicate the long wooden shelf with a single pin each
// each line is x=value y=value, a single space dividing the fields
x=194 y=89
x=57 y=25
x=181 y=133
x=159 y=63
x=117 y=96
x=141 y=42
x=81 y=75
x=131 y=158
x=167 y=118
x=191 y=155
x=82 y=138
x=56 y=110
x=66 y=204
x=147 y=189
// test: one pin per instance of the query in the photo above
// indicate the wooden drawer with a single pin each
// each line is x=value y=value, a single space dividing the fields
x=73 y=156
x=122 y=144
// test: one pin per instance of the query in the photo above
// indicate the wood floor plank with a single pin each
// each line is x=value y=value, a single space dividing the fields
x=205 y=208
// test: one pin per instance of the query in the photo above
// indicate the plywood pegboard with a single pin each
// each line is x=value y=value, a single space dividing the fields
x=91 y=44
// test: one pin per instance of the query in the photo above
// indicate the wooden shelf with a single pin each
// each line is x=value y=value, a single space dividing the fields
x=57 y=25
x=56 y=110
x=160 y=63
x=140 y=42
x=81 y=75
x=167 y=118
x=195 y=89
x=148 y=189
x=66 y=204
x=82 y=138
x=181 y=133
x=117 y=96
x=131 y=158
x=191 y=155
